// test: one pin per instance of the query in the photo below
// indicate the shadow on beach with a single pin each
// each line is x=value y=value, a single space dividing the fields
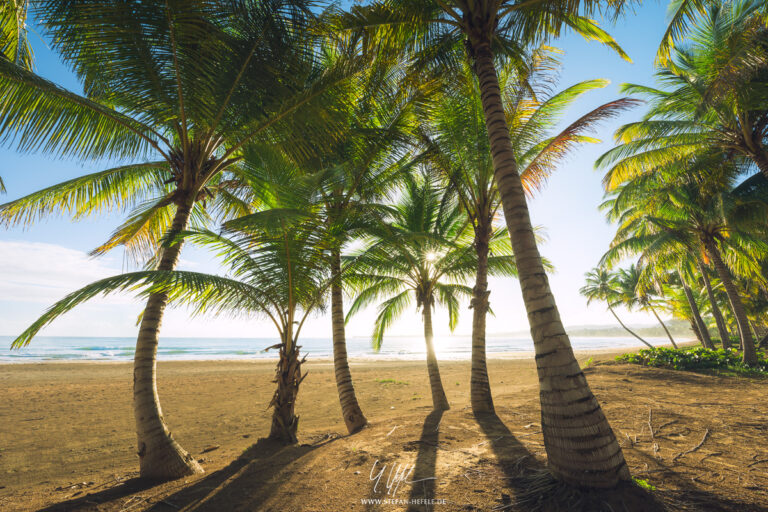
x=244 y=484
x=533 y=489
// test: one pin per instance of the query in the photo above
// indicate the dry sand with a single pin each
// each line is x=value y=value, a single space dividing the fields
x=67 y=443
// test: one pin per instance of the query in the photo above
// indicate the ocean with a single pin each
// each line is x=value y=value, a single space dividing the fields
x=50 y=348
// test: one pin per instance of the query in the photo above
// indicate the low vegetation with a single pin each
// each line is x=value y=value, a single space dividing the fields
x=725 y=361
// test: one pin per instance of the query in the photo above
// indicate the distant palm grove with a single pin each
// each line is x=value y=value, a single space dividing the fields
x=381 y=154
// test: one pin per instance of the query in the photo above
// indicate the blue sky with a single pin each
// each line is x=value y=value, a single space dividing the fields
x=42 y=263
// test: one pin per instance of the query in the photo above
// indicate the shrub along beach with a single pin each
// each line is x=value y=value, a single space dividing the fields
x=335 y=159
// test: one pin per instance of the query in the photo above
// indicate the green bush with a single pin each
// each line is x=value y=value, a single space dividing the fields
x=697 y=358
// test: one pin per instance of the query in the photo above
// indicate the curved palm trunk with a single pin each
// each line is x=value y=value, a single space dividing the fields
x=480 y=387
x=749 y=354
x=581 y=447
x=663 y=326
x=350 y=410
x=439 y=401
x=288 y=377
x=630 y=331
x=160 y=456
x=722 y=328
x=701 y=327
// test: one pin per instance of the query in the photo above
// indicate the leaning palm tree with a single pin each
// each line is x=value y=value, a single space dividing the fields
x=693 y=311
x=457 y=143
x=714 y=306
x=183 y=89
x=494 y=31
x=601 y=285
x=635 y=293
x=276 y=269
x=422 y=255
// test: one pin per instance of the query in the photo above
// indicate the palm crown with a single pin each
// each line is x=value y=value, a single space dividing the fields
x=422 y=256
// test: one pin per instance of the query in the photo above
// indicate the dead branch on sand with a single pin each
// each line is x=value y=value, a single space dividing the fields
x=701 y=443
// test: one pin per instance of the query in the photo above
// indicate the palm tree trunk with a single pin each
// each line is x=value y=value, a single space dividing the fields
x=480 y=387
x=704 y=336
x=663 y=326
x=628 y=329
x=160 y=456
x=288 y=377
x=581 y=447
x=749 y=354
x=696 y=332
x=722 y=328
x=350 y=410
x=439 y=401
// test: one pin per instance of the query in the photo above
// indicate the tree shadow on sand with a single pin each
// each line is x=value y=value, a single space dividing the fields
x=690 y=497
x=423 y=476
x=243 y=484
x=90 y=500
x=534 y=489
x=422 y=479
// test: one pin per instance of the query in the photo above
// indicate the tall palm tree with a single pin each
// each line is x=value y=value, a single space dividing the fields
x=457 y=143
x=500 y=29
x=186 y=85
x=276 y=268
x=601 y=285
x=362 y=165
x=424 y=255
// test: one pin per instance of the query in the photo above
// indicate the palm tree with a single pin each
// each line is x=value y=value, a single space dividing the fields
x=693 y=307
x=711 y=97
x=684 y=12
x=690 y=209
x=601 y=285
x=14 y=41
x=14 y=37
x=501 y=29
x=458 y=147
x=424 y=255
x=722 y=328
x=361 y=164
x=633 y=293
x=276 y=269
x=187 y=85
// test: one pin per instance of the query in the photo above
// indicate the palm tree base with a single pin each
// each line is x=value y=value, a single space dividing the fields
x=538 y=491
x=355 y=421
x=288 y=377
x=483 y=407
x=480 y=394
x=164 y=459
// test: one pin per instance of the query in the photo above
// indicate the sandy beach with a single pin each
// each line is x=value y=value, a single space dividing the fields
x=67 y=435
